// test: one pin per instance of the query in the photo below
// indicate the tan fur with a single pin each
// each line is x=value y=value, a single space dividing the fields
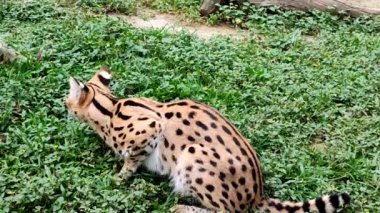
x=201 y=151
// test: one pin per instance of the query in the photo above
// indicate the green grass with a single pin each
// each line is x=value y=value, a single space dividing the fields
x=287 y=93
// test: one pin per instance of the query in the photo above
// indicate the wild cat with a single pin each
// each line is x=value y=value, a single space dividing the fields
x=200 y=150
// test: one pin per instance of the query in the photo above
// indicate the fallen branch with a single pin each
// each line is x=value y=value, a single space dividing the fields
x=337 y=5
x=210 y=6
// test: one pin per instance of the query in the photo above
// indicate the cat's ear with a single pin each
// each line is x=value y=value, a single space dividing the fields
x=77 y=89
x=102 y=78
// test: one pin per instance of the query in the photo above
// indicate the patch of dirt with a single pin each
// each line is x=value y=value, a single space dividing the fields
x=148 y=19
x=319 y=146
x=318 y=141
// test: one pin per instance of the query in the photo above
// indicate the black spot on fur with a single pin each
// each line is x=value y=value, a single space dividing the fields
x=166 y=143
x=174 y=159
x=249 y=196
x=236 y=141
x=220 y=139
x=212 y=116
x=234 y=184
x=199 y=181
x=202 y=169
x=192 y=150
x=208 y=139
x=201 y=125
x=230 y=161
x=224 y=202
x=232 y=170
x=215 y=204
x=182 y=103
x=200 y=196
x=119 y=128
x=213 y=125
x=153 y=124
x=250 y=162
x=255 y=187
x=242 y=181
x=190 y=138
x=242 y=206
x=179 y=132
x=199 y=161
x=168 y=115
x=186 y=122
x=243 y=152
x=178 y=115
x=210 y=188
x=208 y=196
x=216 y=155
x=194 y=107
x=189 y=168
x=213 y=163
x=192 y=114
x=183 y=147
x=222 y=176
x=239 y=195
x=179 y=104
x=226 y=130
x=225 y=186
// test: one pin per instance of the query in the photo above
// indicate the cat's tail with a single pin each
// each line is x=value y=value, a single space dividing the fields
x=325 y=204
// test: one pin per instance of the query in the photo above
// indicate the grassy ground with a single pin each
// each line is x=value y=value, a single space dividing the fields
x=307 y=95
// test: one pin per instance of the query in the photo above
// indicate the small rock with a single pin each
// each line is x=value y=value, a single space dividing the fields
x=9 y=55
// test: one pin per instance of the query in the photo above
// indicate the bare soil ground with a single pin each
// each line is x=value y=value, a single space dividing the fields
x=174 y=23
x=147 y=18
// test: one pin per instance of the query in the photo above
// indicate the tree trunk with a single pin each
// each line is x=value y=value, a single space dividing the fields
x=337 y=5
x=209 y=6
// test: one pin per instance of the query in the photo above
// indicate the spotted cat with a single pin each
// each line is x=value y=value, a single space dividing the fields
x=204 y=155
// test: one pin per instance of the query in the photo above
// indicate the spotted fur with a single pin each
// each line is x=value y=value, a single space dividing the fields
x=200 y=150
